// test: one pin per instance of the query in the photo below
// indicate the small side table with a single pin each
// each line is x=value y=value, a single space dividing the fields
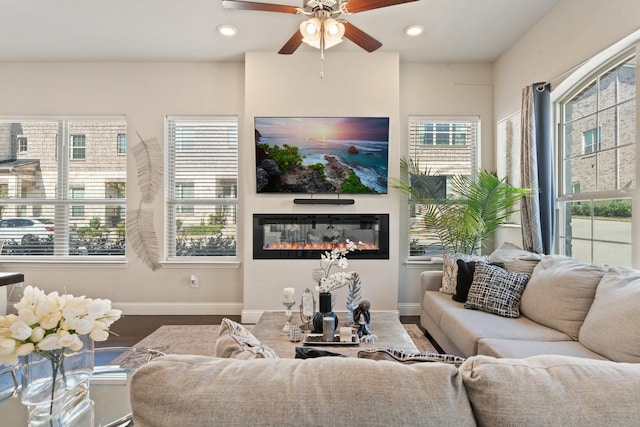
x=7 y=279
x=109 y=390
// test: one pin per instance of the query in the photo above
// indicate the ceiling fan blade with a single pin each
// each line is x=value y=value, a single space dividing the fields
x=354 y=6
x=263 y=7
x=292 y=44
x=360 y=38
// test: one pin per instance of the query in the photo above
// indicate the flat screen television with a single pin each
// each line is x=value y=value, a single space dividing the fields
x=310 y=155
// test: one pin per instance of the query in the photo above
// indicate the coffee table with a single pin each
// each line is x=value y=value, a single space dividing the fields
x=385 y=325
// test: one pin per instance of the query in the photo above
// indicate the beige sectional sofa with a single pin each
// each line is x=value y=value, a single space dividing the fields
x=567 y=308
x=188 y=391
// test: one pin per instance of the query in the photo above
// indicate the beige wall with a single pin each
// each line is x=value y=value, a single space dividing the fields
x=269 y=84
x=145 y=93
x=557 y=47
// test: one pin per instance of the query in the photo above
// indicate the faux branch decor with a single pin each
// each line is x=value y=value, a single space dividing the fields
x=148 y=157
x=140 y=232
x=142 y=236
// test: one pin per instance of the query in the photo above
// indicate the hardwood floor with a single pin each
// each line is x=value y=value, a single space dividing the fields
x=129 y=330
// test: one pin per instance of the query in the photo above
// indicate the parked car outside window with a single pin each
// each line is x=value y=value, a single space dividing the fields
x=25 y=230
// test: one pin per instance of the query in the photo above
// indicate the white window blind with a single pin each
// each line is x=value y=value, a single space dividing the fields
x=68 y=189
x=202 y=186
x=446 y=146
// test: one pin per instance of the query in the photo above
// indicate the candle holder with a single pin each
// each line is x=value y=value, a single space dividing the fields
x=288 y=315
x=307 y=309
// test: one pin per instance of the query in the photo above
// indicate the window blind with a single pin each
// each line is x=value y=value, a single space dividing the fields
x=202 y=186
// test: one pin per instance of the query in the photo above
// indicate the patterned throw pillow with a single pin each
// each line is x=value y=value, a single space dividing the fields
x=235 y=341
x=450 y=269
x=496 y=291
x=465 y=278
x=404 y=357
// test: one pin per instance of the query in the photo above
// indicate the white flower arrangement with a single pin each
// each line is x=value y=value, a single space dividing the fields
x=48 y=323
x=337 y=257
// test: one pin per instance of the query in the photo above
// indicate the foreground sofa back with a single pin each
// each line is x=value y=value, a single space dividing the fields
x=181 y=390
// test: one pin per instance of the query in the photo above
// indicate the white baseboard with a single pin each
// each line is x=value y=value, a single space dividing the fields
x=252 y=316
x=221 y=309
x=409 y=309
x=183 y=308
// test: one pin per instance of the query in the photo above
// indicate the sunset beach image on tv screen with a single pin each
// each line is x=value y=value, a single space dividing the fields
x=322 y=154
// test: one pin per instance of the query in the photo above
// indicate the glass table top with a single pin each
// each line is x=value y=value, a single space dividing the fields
x=109 y=387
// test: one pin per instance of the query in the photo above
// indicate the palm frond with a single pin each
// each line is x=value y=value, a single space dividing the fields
x=476 y=208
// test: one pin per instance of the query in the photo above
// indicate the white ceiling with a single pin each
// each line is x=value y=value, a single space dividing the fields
x=185 y=30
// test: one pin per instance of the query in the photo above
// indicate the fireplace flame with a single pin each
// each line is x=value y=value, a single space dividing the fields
x=300 y=246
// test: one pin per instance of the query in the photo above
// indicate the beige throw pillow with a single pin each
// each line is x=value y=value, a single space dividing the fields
x=515 y=260
x=560 y=293
x=450 y=269
x=235 y=341
x=612 y=326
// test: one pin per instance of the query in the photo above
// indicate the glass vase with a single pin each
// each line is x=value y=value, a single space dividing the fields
x=55 y=386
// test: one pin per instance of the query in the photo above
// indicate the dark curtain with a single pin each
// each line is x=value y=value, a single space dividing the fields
x=538 y=210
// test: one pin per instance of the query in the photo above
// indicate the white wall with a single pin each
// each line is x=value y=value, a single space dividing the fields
x=441 y=89
x=571 y=33
x=357 y=84
x=145 y=93
x=354 y=84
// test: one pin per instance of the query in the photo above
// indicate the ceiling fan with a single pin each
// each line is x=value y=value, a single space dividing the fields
x=321 y=30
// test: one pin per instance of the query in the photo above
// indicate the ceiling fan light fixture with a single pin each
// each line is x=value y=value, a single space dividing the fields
x=227 y=30
x=310 y=28
x=414 y=30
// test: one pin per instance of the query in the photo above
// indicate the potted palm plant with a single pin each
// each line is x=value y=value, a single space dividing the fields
x=476 y=207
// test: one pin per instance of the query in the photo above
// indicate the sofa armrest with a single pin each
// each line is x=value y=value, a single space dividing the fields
x=430 y=280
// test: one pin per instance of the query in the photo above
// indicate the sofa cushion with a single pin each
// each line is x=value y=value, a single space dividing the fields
x=560 y=293
x=179 y=390
x=450 y=269
x=552 y=390
x=519 y=349
x=234 y=340
x=515 y=260
x=612 y=326
x=496 y=291
x=466 y=327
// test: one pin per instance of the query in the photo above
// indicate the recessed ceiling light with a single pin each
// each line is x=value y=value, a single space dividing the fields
x=414 y=30
x=227 y=30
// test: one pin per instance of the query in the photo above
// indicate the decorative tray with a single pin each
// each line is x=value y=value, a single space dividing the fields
x=316 y=339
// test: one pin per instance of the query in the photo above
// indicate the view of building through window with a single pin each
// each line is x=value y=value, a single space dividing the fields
x=202 y=193
x=446 y=147
x=57 y=197
x=597 y=147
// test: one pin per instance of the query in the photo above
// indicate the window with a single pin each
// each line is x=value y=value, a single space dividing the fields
x=202 y=186
x=64 y=200
x=443 y=133
x=22 y=144
x=77 y=210
x=122 y=143
x=597 y=147
x=447 y=147
x=591 y=141
x=78 y=147
x=185 y=191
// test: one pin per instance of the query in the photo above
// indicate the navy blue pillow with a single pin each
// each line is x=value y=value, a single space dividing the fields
x=465 y=278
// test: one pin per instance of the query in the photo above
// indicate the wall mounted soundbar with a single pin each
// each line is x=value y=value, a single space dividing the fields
x=323 y=201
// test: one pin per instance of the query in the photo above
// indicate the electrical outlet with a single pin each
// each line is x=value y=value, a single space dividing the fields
x=194 y=281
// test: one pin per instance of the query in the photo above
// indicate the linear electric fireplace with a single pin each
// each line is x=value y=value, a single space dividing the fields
x=306 y=236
